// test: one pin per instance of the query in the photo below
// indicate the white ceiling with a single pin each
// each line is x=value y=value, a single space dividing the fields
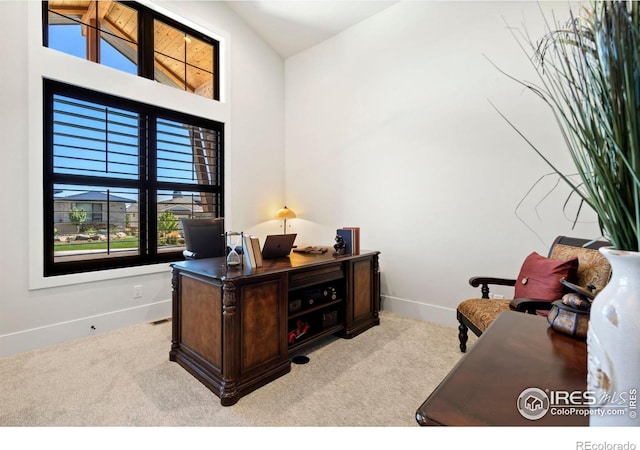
x=290 y=26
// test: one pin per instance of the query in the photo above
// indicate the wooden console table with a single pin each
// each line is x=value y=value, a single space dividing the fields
x=235 y=329
x=518 y=351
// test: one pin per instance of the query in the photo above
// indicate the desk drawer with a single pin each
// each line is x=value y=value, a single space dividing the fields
x=315 y=276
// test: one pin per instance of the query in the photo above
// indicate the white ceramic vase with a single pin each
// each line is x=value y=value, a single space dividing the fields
x=613 y=343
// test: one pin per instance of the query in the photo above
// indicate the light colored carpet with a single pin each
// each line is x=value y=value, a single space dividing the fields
x=124 y=378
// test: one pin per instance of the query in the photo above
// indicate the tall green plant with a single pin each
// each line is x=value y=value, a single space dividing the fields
x=167 y=222
x=77 y=216
x=590 y=78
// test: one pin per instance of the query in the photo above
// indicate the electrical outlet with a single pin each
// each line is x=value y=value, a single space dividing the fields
x=137 y=291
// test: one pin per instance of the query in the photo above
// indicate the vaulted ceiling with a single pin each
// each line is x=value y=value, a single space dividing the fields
x=295 y=25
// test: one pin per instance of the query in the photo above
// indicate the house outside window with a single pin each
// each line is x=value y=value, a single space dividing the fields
x=92 y=208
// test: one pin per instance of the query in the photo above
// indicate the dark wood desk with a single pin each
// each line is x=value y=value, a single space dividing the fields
x=232 y=327
x=518 y=351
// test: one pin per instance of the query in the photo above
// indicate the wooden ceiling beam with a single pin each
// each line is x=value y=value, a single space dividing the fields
x=95 y=13
x=68 y=10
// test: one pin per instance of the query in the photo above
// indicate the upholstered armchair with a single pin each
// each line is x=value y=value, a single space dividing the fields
x=576 y=260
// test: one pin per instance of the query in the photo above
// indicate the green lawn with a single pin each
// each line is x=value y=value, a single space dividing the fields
x=129 y=242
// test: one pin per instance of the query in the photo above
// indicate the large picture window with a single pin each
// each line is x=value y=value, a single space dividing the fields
x=118 y=177
x=135 y=39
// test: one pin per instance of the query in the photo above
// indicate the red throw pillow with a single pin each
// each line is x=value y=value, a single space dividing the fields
x=539 y=277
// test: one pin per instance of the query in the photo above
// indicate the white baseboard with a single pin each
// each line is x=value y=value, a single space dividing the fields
x=27 y=340
x=419 y=311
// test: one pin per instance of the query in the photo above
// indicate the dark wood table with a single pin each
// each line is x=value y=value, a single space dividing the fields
x=517 y=352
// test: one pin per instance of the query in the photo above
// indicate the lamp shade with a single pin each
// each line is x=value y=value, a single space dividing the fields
x=285 y=213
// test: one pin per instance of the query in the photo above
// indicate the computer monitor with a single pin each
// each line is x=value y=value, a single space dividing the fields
x=204 y=238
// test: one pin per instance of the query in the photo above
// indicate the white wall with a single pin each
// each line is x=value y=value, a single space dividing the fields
x=389 y=128
x=36 y=312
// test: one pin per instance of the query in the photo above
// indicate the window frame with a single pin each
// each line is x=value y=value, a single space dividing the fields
x=148 y=186
x=146 y=47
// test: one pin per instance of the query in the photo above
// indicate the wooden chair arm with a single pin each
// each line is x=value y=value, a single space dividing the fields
x=529 y=305
x=486 y=281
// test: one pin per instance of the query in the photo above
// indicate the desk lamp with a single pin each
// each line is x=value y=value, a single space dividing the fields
x=285 y=213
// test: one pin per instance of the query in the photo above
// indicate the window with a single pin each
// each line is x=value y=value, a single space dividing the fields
x=113 y=34
x=93 y=211
x=118 y=177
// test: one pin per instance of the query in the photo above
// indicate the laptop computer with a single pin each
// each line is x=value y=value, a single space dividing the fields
x=278 y=245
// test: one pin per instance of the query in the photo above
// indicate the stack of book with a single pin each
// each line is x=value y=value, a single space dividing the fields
x=351 y=237
x=252 y=252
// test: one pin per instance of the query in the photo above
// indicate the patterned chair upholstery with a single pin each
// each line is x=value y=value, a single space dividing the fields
x=476 y=314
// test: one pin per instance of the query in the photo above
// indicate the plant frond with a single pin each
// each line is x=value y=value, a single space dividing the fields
x=589 y=77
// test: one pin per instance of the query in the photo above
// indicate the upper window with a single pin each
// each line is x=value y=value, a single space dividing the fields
x=118 y=177
x=112 y=33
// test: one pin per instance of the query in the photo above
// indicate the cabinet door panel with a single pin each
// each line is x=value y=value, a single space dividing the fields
x=362 y=289
x=201 y=319
x=260 y=323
